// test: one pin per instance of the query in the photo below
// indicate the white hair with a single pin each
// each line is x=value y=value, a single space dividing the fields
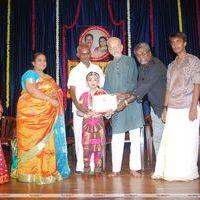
x=111 y=39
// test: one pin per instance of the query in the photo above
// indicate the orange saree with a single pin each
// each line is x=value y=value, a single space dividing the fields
x=40 y=133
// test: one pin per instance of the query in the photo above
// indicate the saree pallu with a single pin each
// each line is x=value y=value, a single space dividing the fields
x=40 y=153
x=4 y=176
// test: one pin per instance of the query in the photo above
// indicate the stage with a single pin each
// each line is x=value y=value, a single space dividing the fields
x=121 y=187
x=56 y=28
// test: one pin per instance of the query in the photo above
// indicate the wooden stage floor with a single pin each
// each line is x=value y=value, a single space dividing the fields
x=122 y=187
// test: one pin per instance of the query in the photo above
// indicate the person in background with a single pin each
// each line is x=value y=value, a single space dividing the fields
x=4 y=175
x=89 y=39
x=151 y=82
x=102 y=49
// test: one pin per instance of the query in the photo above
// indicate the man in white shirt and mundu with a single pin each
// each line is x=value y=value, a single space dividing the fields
x=77 y=85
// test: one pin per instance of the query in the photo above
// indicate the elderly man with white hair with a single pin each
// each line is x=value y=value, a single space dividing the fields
x=121 y=77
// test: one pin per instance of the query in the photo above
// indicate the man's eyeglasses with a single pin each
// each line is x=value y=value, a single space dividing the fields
x=143 y=53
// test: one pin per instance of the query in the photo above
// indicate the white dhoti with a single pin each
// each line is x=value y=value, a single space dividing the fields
x=117 y=147
x=77 y=124
x=178 y=154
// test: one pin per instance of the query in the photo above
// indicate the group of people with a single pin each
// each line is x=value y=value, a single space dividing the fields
x=40 y=153
x=174 y=99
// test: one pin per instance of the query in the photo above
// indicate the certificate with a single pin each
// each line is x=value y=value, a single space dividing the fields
x=104 y=103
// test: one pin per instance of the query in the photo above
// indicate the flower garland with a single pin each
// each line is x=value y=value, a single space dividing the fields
x=151 y=21
x=180 y=16
x=33 y=26
x=129 y=27
x=8 y=55
x=57 y=42
x=64 y=51
x=120 y=23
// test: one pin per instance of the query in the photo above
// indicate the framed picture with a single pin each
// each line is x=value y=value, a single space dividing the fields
x=96 y=38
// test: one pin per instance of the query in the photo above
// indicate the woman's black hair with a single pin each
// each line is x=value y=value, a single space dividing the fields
x=102 y=37
x=35 y=55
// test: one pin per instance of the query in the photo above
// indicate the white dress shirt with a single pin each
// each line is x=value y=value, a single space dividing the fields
x=77 y=78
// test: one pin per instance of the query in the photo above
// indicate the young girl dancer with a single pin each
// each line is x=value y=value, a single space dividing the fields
x=93 y=133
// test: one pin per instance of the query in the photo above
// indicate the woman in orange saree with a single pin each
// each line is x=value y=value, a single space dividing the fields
x=41 y=140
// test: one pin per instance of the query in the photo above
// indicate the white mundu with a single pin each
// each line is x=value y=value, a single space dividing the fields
x=104 y=103
x=77 y=78
x=178 y=153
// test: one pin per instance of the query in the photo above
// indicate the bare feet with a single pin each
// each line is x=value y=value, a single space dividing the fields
x=78 y=172
x=135 y=173
x=113 y=174
x=98 y=174
x=85 y=175
x=155 y=177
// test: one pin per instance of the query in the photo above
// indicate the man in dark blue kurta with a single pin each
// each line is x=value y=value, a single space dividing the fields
x=121 y=76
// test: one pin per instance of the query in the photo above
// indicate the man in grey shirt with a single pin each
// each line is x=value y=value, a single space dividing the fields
x=151 y=82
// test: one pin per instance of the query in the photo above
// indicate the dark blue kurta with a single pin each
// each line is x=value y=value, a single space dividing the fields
x=121 y=76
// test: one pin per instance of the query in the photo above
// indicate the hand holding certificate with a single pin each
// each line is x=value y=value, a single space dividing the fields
x=104 y=103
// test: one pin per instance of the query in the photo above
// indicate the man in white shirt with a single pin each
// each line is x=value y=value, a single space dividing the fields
x=78 y=85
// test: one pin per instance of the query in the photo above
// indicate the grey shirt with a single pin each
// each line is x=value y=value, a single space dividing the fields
x=121 y=76
x=180 y=81
x=152 y=81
